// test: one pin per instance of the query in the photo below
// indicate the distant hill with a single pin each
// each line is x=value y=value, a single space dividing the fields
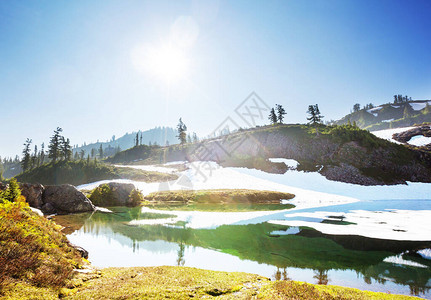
x=341 y=153
x=391 y=115
x=157 y=135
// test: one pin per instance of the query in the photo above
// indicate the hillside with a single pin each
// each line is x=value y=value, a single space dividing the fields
x=341 y=153
x=390 y=115
x=158 y=135
x=80 y=172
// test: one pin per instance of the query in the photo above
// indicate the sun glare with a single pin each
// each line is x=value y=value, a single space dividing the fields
x=167 y=63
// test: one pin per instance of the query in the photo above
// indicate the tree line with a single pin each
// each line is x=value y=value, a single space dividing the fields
x=59 y=148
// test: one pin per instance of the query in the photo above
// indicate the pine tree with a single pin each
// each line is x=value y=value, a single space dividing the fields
x=101 y=151
x=140 y=139
x=315 y=116
x=195 y=137
x=26 y=159
x=356 y=107
x=82 y=154
x=182 y=135
x=66 y=150
x=54 y=145
x=280 y=113
x=272 y=116
x=42 y=154
x=137 y=140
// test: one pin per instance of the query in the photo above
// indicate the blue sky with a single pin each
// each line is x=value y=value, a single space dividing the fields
x=72 y=63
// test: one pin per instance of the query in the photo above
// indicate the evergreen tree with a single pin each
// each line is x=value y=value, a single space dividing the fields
x=76 y=155
x=35 y=158
x=140 y=139
x=12 y=192
x=272 y=116
x=137 y=140
x=42 y=154
x=356 y=107
x=66 y=149
x=315 y=116
x=93 y=152
x=26 y=159
x=54 y=145
x=189 y=139
x=82 y=154
x=195 y=137
x=280 y=113
x=182 y=135
x=101 y=151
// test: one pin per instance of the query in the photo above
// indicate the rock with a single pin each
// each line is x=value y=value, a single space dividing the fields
x=48 y=208
x=33 y=194
x=82 y=251
x=405 y=136
x=66 y=198
x=121 y=193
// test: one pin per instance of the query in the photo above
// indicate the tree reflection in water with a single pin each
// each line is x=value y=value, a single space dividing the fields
x=321 y=276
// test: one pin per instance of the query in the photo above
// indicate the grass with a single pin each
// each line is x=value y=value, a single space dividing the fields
x=218 y=200
x=185 y=283
x=219 y=196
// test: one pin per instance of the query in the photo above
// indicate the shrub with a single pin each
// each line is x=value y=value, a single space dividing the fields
x=136 y=197
x=32 y=248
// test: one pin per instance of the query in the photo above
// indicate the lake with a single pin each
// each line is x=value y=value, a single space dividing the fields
x=263 y=242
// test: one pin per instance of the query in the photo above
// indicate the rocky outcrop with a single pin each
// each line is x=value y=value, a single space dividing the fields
x=349 y=174
x=405 y=136
x=33 y=194
x=66 y=198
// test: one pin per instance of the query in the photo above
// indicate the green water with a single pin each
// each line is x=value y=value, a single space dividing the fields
x=261 y=248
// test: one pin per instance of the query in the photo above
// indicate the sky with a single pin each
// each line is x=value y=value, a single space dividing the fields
x=103 y=68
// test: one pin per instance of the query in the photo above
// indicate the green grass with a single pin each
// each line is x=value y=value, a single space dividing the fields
x=80 y=172
x=186 y=283
x=218 y=200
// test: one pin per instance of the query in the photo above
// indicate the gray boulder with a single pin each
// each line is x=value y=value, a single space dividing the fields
x=66 y=198
x=33 y=194
x=121 y=193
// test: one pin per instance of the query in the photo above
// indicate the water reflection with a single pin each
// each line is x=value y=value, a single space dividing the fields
x=249 y=247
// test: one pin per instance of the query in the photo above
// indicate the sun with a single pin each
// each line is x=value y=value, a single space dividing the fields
x=165 y=62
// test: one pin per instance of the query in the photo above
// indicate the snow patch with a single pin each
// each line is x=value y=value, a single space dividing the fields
x=387 y=133
x=419 y=106
x=420 y=140
x=149 y=168
x=425 y=253
x=387 y=224
x=387 y=121
x=291 y=163
x=399 y=260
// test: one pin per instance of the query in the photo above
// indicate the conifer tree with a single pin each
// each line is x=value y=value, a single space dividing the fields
x=54 y=145
x=137 y=140
x=101 y=151
x=66 y=149
x=272 y=116
x=182 y=129
x=280 y=113
x=195 y=138
x=82 y=154
x=26 y=159
x=42 y=154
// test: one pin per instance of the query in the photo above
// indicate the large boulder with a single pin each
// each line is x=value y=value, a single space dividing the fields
x=121 y=192
x=33 y=194
x=66 y=198
x=113 y=194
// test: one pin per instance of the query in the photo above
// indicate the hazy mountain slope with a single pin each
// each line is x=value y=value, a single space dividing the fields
x=159 y=135
x=390 y=115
